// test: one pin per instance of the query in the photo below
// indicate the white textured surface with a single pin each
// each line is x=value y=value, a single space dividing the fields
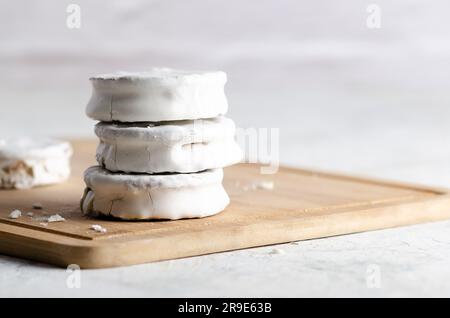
x=145 y=197
x=27 y=162
x=183 y=147
x=346 y=98
x=413 y=261
x=23 y=148
x=158 y=95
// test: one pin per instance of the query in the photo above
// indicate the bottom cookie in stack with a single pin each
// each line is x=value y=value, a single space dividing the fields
x=159 y=196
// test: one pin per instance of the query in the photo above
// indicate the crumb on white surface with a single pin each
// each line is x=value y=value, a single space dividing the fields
x=295 y=243
x=98 y=228
x=37 y=206
x=15 y=214
x=277 y=251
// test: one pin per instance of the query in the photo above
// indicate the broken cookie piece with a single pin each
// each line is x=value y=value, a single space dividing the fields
x=29 y=162
x=164 y=196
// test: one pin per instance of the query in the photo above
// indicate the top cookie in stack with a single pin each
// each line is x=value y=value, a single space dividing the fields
x=163 y=144
x=158 y=95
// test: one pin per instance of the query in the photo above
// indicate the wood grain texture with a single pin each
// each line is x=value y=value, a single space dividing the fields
x=302 y=205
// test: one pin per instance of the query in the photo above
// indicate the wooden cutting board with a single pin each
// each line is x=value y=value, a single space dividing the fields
x=302 y=205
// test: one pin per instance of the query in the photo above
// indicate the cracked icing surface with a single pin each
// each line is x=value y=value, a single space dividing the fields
x=33 y=148
x=27 y=162
x=160 y=94
x=141 y=196
x=162 y=73
x=183 y=146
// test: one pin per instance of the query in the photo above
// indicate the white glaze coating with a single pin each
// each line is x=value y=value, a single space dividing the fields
x=144 y=197
x=182 y=146
x=28 y=162
x=161 y=94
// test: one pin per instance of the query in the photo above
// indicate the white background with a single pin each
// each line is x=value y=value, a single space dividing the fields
x=345 y=97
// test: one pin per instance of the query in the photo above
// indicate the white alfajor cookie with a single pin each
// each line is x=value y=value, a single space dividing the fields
x=182 y=146
x=144 y=197
x=158 y=95
x=28 y=162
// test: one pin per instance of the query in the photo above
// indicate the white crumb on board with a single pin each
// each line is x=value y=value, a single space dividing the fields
x=265 y=185
x=277 y=251
x=43 y=224
x=15 y=214
x=55 y=218
x=98 y=228
x=41 y=218
x=30 y=214
x=50 y=219
x=258 y=185
x=37 y=206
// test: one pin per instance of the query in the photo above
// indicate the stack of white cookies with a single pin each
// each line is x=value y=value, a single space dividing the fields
x=163 y=144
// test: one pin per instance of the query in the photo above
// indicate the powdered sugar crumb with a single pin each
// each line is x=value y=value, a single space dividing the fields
x=277 y=251
x=15 y=214
x=98 y=228
x=55 y=218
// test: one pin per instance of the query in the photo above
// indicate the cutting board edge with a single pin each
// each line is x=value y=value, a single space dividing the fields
x=438 y=190
x=122 y=252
